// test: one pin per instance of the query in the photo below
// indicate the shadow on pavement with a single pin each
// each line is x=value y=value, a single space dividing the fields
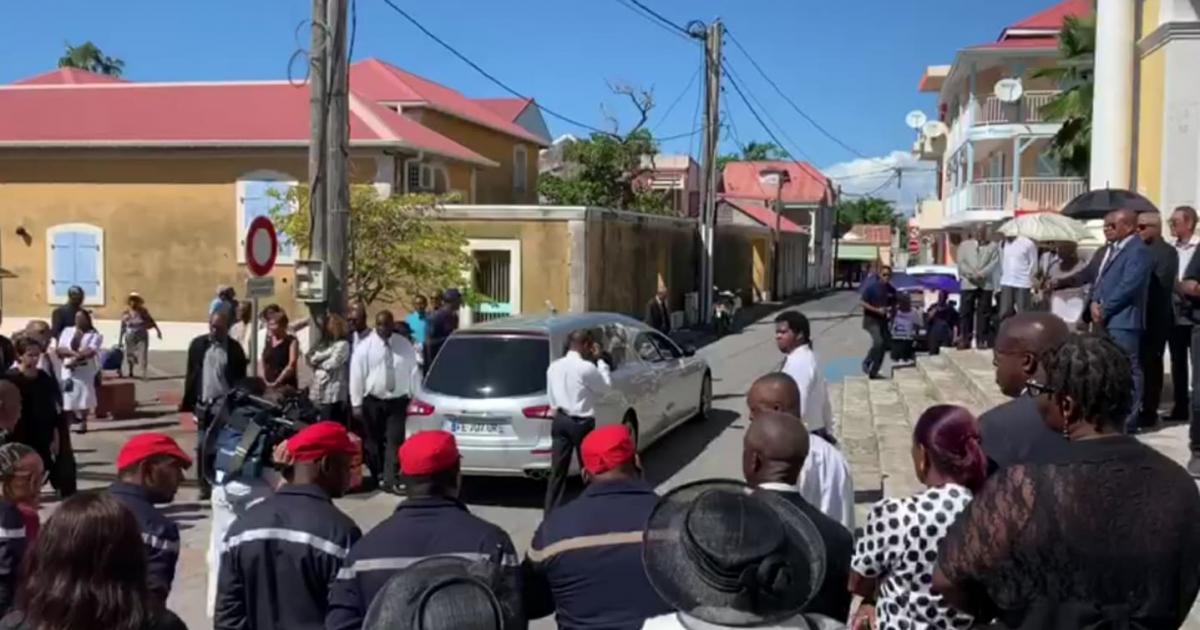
x=677 y=449
x=511 y=492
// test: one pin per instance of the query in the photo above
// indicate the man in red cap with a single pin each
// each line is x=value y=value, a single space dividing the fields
x=280 y=557
x=585 y=562
x=149 y=470
x=430 y=522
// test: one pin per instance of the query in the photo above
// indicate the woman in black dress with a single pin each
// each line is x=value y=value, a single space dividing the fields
x=1106 y=535
x=42 y=425
x=281 y=354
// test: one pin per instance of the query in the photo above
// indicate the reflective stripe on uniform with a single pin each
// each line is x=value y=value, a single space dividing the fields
x=286 y=535
x=585 y=542
x=15 y=533
x=162 y=544
x=396 y=564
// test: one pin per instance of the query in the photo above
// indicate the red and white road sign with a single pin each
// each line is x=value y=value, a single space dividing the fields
x=262 y=246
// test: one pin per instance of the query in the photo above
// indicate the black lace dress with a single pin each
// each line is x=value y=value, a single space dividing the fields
x=1106 y=536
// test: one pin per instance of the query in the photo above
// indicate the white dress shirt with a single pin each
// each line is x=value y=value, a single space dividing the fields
x=382 y=369
x=803 y=366
x=681 y=621
x=1186 y=249
x=575 y=385
x=825 y=481
x=1018 y=262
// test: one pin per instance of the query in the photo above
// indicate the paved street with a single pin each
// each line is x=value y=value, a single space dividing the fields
x=695 y=451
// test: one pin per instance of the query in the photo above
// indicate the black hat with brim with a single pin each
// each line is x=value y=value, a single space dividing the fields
x=440 y=593
x=725 y=553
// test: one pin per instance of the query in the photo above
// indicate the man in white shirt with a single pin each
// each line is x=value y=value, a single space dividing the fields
x=574 y=384
x=793 y=337
x=825 y=480
x=1017 y=265
x=383 y=369
x=1183 y=231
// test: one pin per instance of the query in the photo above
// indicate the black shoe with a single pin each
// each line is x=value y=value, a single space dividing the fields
x=1147 y=422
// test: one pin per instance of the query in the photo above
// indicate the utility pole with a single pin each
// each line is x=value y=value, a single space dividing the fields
x=337 y=154
x=712 y=107
x=318 y=90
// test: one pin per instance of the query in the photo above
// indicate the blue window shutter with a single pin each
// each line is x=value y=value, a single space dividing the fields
x=87 y=262
x=62 y=276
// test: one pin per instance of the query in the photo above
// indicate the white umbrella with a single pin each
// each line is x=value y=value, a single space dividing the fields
x=1046 y=227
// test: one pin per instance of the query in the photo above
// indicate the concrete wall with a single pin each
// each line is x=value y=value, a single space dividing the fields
x=629 y=256
x=545 y=257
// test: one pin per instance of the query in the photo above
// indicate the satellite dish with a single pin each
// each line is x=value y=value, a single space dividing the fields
x=934 y=129
x=915 y=119
x=1009 y=90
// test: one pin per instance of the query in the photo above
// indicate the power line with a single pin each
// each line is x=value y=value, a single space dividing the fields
x=737 y=140
x=682 y=93
x=487 y=75
x=657 y=20
x=872 y=192
x=894 y=169
x=696 y=114
x=785 y=97
x=733 y=75
x=353 y=28
x=681 y=135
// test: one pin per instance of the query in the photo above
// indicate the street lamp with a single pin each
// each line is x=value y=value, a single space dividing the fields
x=781 y=179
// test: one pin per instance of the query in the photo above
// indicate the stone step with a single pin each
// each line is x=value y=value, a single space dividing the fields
x=857 y=435
x=978 y=374
x=950 y=385
x=893 y=431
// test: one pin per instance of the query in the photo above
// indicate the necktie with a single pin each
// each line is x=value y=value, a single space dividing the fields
x=389 y=367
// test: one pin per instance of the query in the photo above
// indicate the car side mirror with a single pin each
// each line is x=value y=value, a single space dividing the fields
x=689 y=350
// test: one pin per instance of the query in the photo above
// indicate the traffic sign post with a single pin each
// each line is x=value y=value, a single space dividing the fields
x=262 y=247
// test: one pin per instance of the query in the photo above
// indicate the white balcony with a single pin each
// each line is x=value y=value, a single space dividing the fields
x=985 y=116
x=995 y=199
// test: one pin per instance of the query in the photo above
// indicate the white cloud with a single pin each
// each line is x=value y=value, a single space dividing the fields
x=861 y=176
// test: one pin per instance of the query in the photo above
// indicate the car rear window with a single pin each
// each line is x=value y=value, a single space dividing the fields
x=479 y=366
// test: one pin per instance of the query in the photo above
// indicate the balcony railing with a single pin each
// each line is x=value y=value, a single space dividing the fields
x=982 y=110
x=1032 y=194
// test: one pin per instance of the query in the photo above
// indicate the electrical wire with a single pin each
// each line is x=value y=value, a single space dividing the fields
x=791 y=102
x=696 y=114
x=904 y=169
x=657 y=17
x=353 y=29
x=872 y=192
x=682 y=93
x=681 y=135
x=732 y=75
x=745 y=101
x=487 y=75
x=737 y=140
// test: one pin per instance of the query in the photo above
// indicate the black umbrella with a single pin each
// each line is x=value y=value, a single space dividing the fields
x=1094 y=204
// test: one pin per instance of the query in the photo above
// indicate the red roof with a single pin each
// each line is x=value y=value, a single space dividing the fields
x=196 y=114
x=63 y=76
x=764 y=215
x=1020 y=42
x=807 y=184
x=385 y=83
x=509 y=108
x=870 y=234
x=1052 y=18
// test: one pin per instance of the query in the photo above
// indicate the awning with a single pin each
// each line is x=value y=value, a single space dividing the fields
x=851 y=251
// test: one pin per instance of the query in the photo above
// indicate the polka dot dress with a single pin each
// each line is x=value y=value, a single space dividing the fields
x=899 y=546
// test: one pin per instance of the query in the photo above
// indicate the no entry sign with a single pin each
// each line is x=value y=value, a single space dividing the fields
x=262 y=246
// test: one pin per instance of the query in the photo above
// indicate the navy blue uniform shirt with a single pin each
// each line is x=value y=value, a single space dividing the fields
x=585 y=563
x=159 y=534
x=420 y=528
x=12 y=552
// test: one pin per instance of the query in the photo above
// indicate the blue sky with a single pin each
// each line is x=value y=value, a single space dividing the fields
x=852 y=66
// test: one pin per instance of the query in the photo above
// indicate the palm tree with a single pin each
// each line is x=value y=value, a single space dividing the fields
x=1073 y=106
x=88 y=56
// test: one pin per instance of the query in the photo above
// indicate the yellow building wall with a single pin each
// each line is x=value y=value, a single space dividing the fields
x=545 y=258
x=492 y=185
x=1149 y=10
x=170 y=226
x=626 y=262
x=1150 y=125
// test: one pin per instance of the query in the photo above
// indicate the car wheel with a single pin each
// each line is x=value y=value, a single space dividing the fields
x=706 y=397
x=630 y=422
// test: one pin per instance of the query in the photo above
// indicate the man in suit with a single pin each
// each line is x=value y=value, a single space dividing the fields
x=1183 y=237
x=658 y=311
x=215 y=364
x=977 y=260
x=1160 y=312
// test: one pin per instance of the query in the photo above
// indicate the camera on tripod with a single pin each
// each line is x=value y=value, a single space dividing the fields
x=245 y=431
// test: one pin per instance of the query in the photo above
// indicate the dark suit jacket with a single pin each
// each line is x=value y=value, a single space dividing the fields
x=658 y=317
x=1123 y=285
x=833 y=598
x=235 y=368
x=1160 y=307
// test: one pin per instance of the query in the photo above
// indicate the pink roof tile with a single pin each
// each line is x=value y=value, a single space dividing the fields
x=765 y=215
x=1052 y=18
x=807 y=185
x=195 y=114
x=383 y=82
x=1019 y=43
x=62 y=76
x=508 y=108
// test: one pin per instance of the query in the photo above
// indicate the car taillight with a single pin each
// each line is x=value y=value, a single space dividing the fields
x=418 y=407
x=540 y=412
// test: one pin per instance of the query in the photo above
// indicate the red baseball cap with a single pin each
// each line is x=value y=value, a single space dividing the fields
x=607 y=448
x=145 y=445
x=319 y=440
x=428 y=453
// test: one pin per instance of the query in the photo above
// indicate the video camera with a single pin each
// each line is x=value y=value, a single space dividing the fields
x=247 y=428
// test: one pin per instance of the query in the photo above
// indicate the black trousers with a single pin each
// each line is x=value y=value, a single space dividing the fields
x=204 y=414
x=567 y=433
x=976 y=320
x=383 y=420
x=1180 y=344
x=60 y=470
x=880 y=338
x=338 y=412
x=1154 y=343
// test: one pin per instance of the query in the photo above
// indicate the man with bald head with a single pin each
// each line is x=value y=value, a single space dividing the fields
x=773 y=451
x=1014 y=432
x=824 y=480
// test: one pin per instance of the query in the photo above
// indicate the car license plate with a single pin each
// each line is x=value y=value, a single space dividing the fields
x=474 y=428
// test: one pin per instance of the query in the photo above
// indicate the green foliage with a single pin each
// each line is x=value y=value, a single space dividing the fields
x=1073 y=107
x=867 y=210
x=88 y=56
x=398 y=247
x=754 y=152
x=602 y=172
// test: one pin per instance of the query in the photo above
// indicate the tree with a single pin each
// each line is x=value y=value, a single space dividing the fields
x=398 y=247
x=868 y=210
x=88 y=56
x=607 y=169
x=754 y=152
x=1072 y=144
